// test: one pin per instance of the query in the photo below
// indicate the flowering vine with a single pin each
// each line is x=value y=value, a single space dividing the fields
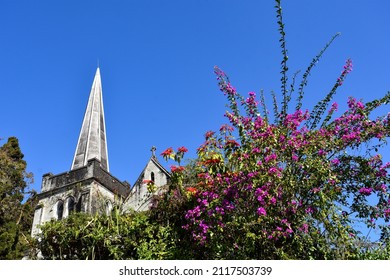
x=298 y=183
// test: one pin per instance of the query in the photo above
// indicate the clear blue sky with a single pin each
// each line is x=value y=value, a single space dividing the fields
x=156 y=60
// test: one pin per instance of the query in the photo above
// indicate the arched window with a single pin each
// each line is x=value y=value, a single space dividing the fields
x=60 y=209
x=79 y=204
x=71 y=205
x=152 y=176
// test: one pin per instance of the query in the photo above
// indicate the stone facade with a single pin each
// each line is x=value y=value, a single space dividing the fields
x=92 y=189
x=86 y=189
x=139 y=198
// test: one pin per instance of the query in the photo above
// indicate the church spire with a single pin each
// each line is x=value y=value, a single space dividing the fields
x=92 y=141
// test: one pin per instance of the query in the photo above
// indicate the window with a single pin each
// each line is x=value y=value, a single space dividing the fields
x=79 y=204
x=70 y=205
x=152 y=176
x=60 y=209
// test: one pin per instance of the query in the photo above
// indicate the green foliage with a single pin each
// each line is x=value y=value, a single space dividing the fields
x=379 y=251
x=82 y=236
x=305 y=76
x=15 y=217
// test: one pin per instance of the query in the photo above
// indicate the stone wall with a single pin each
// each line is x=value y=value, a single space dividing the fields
x=89 y=189
x=139 y=198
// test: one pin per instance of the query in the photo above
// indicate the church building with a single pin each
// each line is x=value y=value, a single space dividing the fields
x=89 y=186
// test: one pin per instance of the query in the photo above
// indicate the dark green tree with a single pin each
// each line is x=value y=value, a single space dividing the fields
x=15 y=216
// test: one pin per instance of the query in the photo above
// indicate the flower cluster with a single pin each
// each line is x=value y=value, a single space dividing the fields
x=283 y=176
x=365 y=191
x=167 y=153
x=175 y=169
x=347 y=69
x=170 y=153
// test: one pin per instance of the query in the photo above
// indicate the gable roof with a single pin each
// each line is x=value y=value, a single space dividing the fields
x=153 y=159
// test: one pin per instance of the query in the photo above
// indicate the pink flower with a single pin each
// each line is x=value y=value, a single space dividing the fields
x=270 y=157
x=335 y=161
x=321 y=153
x=305 y=228
x=333 y=108
x=261 y=211
x=309 y=210
x=365 y=191
x=360 y=105
x=274 y=171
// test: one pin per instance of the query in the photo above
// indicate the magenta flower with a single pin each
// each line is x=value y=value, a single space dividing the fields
x=305 y=228
x=334 y=107
x=270 y=157
x=274 y=171
x=321 y=153
x=261 y=211
x=382 y=188
x=335 y=161
x=365 y=191
x=309 y=210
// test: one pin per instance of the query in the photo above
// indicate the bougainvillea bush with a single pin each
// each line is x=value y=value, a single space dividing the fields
x=291 y=185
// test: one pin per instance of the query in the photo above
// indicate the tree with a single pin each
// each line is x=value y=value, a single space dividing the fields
x=15 y=216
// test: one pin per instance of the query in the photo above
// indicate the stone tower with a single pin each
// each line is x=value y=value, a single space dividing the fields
x=89 y=186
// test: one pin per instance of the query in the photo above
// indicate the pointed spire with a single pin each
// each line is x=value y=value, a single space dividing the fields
x=92 y=141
